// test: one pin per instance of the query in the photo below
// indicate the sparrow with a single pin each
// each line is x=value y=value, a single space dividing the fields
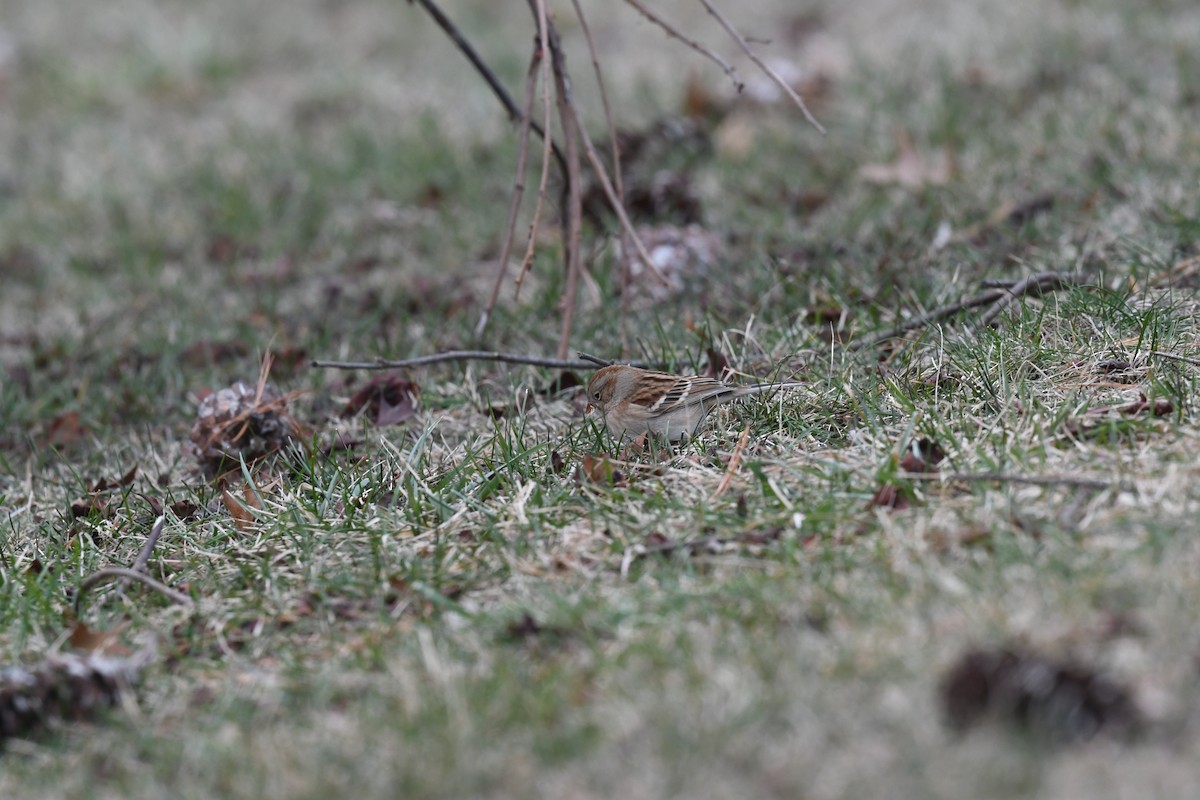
x=636 y=401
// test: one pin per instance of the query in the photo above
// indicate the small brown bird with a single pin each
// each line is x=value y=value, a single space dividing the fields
x=635 y=401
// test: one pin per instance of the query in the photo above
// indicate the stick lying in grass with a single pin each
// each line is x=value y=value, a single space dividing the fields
x=587 y=361
x=997 y=299
x=1195 y=362
x=137 y=573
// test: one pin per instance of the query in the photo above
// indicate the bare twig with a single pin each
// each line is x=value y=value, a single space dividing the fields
x=475 y=355
x=108 y=573
x=144 y=555
x=1171 y=356
x=614 y=201
x=770 y=73
x=572 y=132
x=595 y=360
x=998 y=299
x=922 y=320
x=692 y=43
x=514 y=210
x=485 y=71
x=1034 y=284
x=544 y=46
x=151 y=542
x=618 y=179
x=1004 y=477
x=567 y=109
x=608 y=116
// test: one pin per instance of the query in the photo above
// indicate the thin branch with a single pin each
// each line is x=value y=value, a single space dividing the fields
x=527 y=261
x=485 y=71
x=614 y=201
x=514 y=210
x=618 y=178
x=572 y=132
x=1034 y=284
x=595 y=360
x=1004 y=477
x=1195 y=362
x=608 y=116
x=922 y=320
x=568 y=108
x=998 y=299
x=151 y=542
x=692 y=43
x=143 y=557
x=770 y=73
x=476 y=355
x=102 y=575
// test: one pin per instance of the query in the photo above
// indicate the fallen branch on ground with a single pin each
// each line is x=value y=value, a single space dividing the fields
x=1176 y=357
x=997 y=299
x=102 y=575
x=1004 y=477
x=478 y=355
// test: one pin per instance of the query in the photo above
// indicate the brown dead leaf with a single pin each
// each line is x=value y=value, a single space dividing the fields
x=94 y=505
x=65 y=429
x=251 y=495
x=718 y=365
x=243 y=518
x=106 y=642
x=699 y=100
x=910 y=169
x=386 y=399
x=922 y=455
x=889 y=496
x=601 y=469
x=184 y=509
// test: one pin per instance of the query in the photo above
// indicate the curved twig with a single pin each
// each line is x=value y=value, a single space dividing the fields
x=531 y=245
x=573 y=132
x=477 y=355
x=758 y=62
x=998 y=299
x=1073 y=481
x=600 y=362
x=1195 y=362
x=485 y=71
x=108 y=573
x=514 y=210
x=692 y=43
x=1034 y=284
x=568 y=111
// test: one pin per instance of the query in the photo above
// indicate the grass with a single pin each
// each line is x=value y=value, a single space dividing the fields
x=456 y=606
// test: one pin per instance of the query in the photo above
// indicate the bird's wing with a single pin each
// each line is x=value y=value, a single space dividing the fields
x=687 y=391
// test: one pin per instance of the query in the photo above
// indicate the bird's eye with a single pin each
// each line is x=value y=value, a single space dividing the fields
x=596 y=395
